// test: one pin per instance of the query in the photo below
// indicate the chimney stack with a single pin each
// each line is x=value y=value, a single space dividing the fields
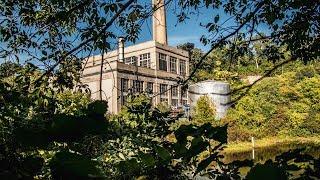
x=159 y=22
x=121 y=49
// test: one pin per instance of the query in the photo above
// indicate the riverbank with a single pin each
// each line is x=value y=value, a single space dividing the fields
x=237 y=147
x=269 y=148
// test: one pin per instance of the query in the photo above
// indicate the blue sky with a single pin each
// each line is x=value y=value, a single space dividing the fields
x=178 y=33
x=190 y=30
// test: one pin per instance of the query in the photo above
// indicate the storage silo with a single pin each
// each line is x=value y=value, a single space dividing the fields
x=218 y=91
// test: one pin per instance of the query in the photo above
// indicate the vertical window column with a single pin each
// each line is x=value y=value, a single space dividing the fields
x=174 y=96
x=184 y=97
x=163 y=93
x=182 y=67
x=163 y=65
x=137 y=86
x=124 y=87
x=149 y=91
x=173 y=64
x=149 y=88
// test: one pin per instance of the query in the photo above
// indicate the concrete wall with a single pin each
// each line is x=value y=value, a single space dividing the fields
x=113 y=71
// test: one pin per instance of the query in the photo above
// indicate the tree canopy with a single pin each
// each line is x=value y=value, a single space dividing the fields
x=50 y=129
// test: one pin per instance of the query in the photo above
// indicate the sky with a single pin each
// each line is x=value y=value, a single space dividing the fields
x=179 y=33
x=190 y=30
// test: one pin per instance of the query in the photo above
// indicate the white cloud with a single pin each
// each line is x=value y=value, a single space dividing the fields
x=175 y=40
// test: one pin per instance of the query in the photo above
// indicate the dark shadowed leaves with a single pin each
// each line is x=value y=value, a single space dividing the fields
x=163 y=154
x=70 y=128
x=98 y=107
x=266 y=171
x=31 y=165
x=67 y=165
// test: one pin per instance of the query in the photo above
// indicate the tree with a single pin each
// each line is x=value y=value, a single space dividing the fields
x=50 y=38
x=205 y=110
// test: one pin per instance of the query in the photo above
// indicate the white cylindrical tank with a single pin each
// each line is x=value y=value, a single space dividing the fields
x=218 y=91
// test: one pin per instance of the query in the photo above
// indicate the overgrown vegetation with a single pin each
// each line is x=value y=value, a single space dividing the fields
x=204 y=111
x=282 y=105
x=49 y=130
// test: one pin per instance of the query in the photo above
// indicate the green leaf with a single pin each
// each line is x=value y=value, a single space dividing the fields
x=44 y=52
x=147 y=159
x=266 y=171
x=163 y=153
x=216 y=18
x=67 y=165
x=98 y=107
x=197 y=146
x=129 y=167
x=205 y=163
x=31 y=165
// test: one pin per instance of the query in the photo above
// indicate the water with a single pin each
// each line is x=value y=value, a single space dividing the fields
x=270 y=152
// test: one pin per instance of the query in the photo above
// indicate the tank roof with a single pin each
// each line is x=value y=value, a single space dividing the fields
x=210 y=81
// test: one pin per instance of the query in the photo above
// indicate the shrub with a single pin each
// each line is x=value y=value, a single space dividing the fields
x=286 y=104
x=204 y=111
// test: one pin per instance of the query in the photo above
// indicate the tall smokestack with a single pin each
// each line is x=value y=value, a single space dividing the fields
x=121 y=49
x=159 y=22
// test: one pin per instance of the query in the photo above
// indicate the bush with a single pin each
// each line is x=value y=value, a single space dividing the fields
x=72 y=103
x=204 y=111
x=286 y=104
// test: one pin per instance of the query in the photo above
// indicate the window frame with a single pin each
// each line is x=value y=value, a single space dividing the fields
x=173 y=64
x=122 y=88
x=139 y=84
x=145 y=60
x=133 y=60
x=164 y=90
x=174 y=89
x=183 y=67
x=148 y=89
x=162 y=62
x=176 y=104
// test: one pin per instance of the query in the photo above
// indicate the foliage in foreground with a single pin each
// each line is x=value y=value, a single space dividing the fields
x=85 y=144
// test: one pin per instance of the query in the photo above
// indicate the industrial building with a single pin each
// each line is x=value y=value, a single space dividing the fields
x=153 y=67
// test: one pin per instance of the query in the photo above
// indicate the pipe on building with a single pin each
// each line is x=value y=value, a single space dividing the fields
x=121 y=49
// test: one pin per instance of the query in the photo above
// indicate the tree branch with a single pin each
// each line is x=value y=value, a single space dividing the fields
x=123 y=8
x=216 y=45
x=248 y=87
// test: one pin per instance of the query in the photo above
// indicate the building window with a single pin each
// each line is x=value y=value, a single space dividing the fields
x=124 y=99
x=163 y=100
x=174 y=91
x=162 y=62
x=124 y=85
x=184 y=94
x=163 y=90
x=174 y=102
x=184 y=102
x=149 y=88
x=183 y=67
x=173 y=64
x=131 y=60
x=137 y=86
x=145 y=60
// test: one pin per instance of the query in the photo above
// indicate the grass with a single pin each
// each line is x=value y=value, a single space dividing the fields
x=237 y=147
